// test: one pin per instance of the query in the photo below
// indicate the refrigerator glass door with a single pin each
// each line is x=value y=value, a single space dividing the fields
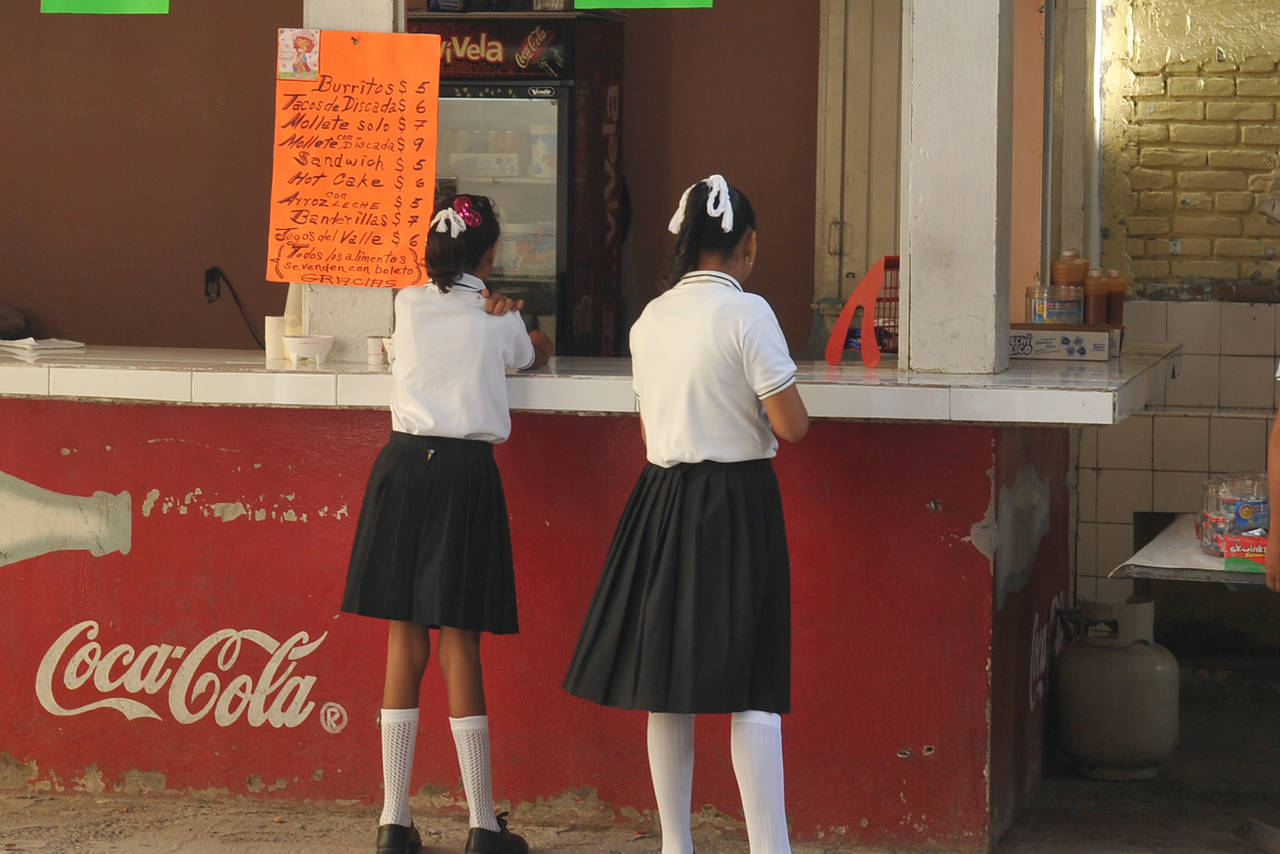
x=508 y=149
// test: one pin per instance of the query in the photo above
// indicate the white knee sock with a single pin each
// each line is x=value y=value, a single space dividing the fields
x=471 y=737
x=671 y=764
x=756 y=745
x=399 y=732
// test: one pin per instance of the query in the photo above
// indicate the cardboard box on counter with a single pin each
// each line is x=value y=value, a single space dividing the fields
x=1066 y=342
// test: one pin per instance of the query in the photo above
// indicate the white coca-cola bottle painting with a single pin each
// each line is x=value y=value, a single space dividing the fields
x=35 y=521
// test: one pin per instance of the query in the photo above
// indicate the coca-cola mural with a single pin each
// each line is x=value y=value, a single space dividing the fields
x=179 y=573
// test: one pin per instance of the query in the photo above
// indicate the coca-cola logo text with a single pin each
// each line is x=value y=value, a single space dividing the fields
x=192 y=683
x=531 y=50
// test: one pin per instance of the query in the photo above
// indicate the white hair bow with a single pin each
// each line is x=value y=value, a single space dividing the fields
x=448 y=220
x=718 y=204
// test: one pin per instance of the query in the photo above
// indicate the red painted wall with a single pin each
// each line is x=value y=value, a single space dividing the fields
x=137 y=153
x=888 y=742
x=1026 y=632
x=733 y=89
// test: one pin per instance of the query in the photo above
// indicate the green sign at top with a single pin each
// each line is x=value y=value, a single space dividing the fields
x=642 y=4
x=106 y=7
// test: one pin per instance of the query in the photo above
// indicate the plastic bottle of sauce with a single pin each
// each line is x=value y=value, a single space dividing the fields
x=1075 y=303
x=1095 y=298
x=1115 y=297
x=1069 y=269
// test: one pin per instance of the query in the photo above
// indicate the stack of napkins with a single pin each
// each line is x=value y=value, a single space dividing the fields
x=41 y=345
x=30 y=350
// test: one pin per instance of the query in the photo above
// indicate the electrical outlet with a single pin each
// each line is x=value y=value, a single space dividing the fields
x=213 y=284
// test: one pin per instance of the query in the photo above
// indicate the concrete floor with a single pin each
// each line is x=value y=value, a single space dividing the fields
x=1227 y=769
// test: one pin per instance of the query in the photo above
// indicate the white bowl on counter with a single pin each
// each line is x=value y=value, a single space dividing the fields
x=298 y=348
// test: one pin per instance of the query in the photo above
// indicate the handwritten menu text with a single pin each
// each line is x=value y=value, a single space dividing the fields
x=355 y=158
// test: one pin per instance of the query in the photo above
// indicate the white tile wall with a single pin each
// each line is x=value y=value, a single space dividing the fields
x=1214 y=418
x=1197 y=382
x=1126 y=445
x=1087 y=548
x=1123 y=492
x=1197 y=325
x=1115 y=546
x=1237 y=443
x=1086 y=587
x=1181 y=443
x=1247 y=382
x=1114 y=589
x=1248 y=329
x=1177 y=491
x=1088 y=492
x=1145 y=321
x=1089 y=447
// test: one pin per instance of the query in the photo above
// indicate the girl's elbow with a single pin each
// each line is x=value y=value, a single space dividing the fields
x=794 y=431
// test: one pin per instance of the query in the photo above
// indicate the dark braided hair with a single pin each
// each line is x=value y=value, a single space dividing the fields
x=701 y=233
x=449 y=257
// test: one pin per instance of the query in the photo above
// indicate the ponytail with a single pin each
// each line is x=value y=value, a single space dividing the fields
x=712 y=217
x=462 y=230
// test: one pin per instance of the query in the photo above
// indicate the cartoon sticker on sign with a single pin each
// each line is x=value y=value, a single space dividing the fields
x=353 y=178
x=298 y=54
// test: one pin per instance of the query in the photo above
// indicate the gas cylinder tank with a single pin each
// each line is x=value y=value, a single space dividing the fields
x=1117 y=693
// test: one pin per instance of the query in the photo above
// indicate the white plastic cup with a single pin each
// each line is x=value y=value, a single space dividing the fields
x=374 y=351
x=273 y=332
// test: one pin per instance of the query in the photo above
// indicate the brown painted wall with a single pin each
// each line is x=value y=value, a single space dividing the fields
x=140 y=154
x=733 y=90
x=137 y=152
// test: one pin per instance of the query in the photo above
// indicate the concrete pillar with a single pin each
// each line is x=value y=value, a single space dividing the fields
x=956 y=160
x=348 y=314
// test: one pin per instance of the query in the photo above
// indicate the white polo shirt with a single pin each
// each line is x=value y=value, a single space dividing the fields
x=451 y=360
x=703 y=356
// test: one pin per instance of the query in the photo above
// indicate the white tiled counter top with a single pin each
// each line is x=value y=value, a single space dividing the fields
x=1030 y=392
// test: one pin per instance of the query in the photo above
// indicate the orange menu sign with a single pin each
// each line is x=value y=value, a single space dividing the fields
x=353 y=179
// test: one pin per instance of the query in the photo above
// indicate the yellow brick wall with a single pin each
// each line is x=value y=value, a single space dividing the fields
x=1191 y=137
x=1203 y=143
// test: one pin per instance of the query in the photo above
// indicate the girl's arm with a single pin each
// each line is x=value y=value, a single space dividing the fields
x=543 y=348
x=787 y=415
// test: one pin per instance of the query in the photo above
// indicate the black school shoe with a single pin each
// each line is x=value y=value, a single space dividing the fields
x=481 y=841
x=398 y=839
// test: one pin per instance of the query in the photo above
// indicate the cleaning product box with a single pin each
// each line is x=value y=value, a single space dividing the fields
x=1063 y=341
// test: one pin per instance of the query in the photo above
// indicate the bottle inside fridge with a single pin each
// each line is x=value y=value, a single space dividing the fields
x=506 y=148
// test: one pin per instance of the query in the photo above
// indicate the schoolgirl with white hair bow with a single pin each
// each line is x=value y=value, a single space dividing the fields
x=692 y=612
x=432 y=546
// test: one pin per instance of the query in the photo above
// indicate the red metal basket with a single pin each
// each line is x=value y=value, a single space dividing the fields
x=877 y=296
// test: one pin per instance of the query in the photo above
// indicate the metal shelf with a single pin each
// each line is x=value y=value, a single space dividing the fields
x=486 y=179
x=1175 y=555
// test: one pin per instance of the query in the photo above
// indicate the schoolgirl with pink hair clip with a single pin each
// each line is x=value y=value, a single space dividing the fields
x=432 y=547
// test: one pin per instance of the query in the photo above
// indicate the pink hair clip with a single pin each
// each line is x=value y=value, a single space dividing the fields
x=469 y=214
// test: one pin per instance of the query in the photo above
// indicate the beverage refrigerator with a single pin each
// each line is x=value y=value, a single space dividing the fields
x=530 y=113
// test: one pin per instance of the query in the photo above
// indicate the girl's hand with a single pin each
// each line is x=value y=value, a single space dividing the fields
x=500 y=305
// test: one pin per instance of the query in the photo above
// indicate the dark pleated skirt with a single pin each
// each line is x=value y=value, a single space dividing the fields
x=433 y=544
x=693 y=610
